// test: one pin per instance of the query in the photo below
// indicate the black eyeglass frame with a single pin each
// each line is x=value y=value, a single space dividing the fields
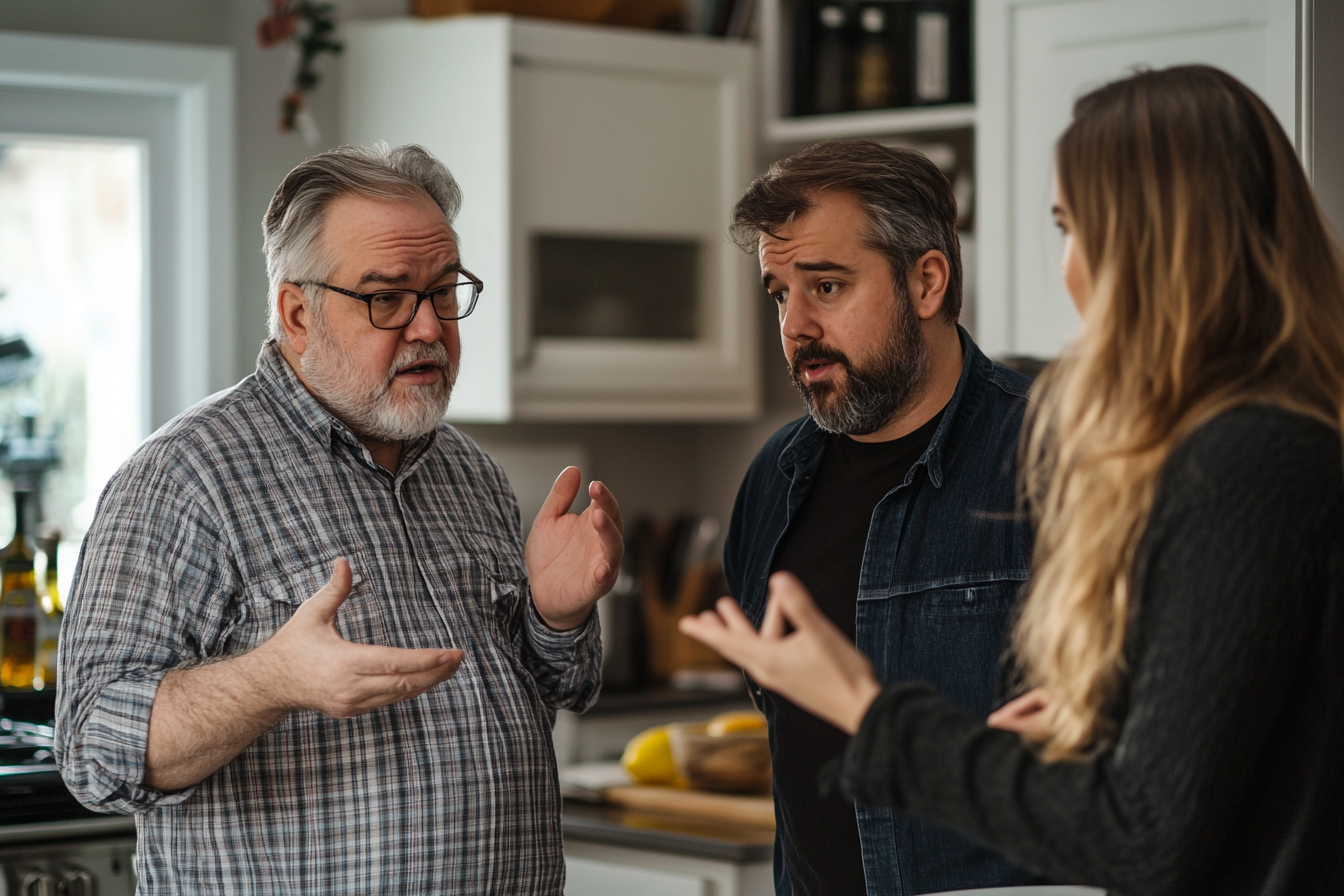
x=477 y=287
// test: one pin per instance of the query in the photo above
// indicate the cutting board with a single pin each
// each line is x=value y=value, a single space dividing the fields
x=754 y=810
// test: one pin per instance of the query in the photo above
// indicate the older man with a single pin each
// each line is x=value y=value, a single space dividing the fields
x=893 y=501
x=305 y=644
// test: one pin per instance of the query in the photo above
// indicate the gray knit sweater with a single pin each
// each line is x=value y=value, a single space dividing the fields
x=1227 y=772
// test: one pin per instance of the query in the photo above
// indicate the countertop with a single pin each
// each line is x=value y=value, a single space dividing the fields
x=741 y=844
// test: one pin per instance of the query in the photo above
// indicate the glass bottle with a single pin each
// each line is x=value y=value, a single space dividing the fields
x=831 y=60
x=874 y=67
x=18 y=604
x=53 y=611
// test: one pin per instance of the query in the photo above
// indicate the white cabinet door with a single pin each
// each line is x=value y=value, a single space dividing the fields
x=578 y=133
x=584 y=877
x=1034 y=58
x=634 y=136
x=599 y=869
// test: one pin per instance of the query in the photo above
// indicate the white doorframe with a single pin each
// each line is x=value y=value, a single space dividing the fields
x=191 y=302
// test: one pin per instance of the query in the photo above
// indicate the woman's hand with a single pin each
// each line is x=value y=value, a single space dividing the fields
x=1026 y=715
x=814 y=665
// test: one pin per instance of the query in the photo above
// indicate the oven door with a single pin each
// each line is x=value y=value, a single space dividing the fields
x=50 y=845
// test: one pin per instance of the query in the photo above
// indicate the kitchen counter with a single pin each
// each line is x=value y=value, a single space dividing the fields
x=637 y=829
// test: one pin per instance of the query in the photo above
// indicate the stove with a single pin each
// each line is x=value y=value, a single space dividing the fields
x=49 y=843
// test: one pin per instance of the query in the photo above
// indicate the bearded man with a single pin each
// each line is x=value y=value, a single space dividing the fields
x=893 y=500
x=280 y=583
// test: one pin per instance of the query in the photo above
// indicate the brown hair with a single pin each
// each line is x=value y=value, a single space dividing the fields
x=1213 y=281
x=908 y=201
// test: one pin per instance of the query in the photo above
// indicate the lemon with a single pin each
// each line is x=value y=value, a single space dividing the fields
x=648 y=758
x=735 y=723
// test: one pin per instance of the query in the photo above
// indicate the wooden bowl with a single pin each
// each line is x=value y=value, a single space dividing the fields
x=728 y=763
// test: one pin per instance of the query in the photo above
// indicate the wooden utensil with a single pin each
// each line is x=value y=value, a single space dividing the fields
x=753 y=810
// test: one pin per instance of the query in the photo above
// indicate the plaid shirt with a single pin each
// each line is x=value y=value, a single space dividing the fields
x=205 y=542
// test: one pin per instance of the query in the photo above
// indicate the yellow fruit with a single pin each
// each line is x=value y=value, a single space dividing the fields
x=648 y=758
x=735 y=723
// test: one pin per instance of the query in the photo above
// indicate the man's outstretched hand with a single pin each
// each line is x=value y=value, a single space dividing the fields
x=206 y=715
x=573 y=559
x=315 y=668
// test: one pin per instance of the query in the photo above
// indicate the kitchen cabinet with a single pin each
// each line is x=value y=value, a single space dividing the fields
x=1033 y=59
x=599 y=167
x=594 y=869
x=613 y=852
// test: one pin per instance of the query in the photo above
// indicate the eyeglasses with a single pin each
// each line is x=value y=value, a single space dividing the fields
x=392 y=309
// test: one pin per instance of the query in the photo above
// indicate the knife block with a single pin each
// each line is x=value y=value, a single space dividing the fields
x=668 y=649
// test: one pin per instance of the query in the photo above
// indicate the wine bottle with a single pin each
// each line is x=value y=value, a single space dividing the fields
x=53 y=611
x=874 y=66
x=933 y=51
x=831 y=60
x=18 y=604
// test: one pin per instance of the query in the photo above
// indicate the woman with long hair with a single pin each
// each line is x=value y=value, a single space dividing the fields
x=1183 y=634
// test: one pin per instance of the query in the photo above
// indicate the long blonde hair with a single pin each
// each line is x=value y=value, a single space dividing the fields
x=1213 y=281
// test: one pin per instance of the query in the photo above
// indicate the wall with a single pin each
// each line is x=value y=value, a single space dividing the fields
x=1328 y=109
x=189 y=21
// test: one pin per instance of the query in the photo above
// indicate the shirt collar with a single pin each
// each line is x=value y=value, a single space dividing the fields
x=279 y=381
x=805 y=446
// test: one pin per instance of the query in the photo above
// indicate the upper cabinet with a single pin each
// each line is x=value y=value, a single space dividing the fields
x=599 y=167
x=1034 y=58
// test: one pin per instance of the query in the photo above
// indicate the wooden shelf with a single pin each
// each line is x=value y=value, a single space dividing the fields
x=864 y=124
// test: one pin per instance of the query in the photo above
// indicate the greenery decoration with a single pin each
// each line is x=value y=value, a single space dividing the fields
x=311 y=26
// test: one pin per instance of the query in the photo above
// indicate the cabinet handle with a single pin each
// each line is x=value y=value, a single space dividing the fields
x=37 y=883
x=77 y=882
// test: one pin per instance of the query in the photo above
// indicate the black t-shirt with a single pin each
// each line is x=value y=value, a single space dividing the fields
x=824 y=548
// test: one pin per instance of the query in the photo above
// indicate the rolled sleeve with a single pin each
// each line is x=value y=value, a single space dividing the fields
x=567 y=665
x=104 y=763
x=147 y=597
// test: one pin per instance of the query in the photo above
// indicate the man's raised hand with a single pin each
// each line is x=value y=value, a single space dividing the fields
x=573 y=559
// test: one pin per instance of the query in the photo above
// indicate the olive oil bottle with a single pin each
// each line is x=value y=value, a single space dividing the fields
x=53 y=611
x=18 y=604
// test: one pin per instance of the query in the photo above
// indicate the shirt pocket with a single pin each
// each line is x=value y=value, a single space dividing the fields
x=980 y=599
x=507 y=586
x=955 y=637
x=271 y=602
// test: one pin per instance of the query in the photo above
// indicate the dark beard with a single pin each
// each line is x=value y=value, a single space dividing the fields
x=876 y=390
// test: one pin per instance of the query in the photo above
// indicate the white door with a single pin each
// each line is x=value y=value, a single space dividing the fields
x=1033 y=59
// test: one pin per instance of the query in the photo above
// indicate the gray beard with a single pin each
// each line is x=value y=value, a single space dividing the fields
x=877 y=389
x=335 y=380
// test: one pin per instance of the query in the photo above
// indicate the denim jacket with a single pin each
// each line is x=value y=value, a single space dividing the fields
x=947 y=552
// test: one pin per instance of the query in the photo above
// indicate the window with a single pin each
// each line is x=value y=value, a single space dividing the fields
x=116 y=248
x=72 y=295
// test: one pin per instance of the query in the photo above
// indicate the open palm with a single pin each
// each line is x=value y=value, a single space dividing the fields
x=573 y=559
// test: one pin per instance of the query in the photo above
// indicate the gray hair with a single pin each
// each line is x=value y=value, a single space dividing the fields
x=908 y=201
x=293 y=226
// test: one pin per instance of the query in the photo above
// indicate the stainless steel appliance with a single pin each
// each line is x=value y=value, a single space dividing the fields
x=49 y=844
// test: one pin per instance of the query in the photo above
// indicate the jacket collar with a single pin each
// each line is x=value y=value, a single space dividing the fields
x=804 y=449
